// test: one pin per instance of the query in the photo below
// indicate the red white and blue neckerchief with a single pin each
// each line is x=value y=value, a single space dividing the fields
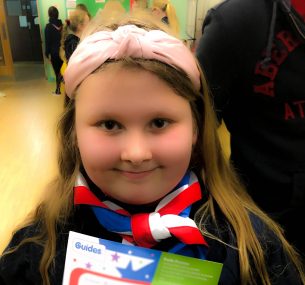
x=170 y=218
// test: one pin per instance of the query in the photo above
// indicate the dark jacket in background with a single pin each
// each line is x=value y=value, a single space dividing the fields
x=52 y=43
x=52 y=37
x=262 y=101
x=70 y=45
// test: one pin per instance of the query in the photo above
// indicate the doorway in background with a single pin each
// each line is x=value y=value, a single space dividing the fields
x=24 y=31
x=6 y=62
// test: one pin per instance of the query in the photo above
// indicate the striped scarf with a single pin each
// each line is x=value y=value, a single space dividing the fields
x=170 y=218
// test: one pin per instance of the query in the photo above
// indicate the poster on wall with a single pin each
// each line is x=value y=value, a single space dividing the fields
x=71 y=4
x=99 y=1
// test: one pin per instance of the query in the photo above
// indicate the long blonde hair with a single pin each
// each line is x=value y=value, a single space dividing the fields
x=170 y=11
x=71 y=25
x=225 y=190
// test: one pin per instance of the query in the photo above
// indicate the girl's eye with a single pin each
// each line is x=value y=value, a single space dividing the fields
x=109 y=125
x=159 y=123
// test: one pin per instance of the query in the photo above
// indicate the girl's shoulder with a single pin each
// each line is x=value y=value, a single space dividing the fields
x=22 y=234
x=19 y=264
x=267 y=237
x=277 y=261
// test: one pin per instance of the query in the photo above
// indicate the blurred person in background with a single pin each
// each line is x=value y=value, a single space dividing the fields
x=83 y=7
x=52 y=44
x=72 y=31
x=166 y=12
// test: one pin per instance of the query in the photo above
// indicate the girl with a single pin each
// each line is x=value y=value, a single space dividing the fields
x=52 y=44
x=139 y=135
x=72 y=31
x=166 y=12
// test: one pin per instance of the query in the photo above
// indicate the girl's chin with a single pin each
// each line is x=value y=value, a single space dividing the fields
x=135 y=202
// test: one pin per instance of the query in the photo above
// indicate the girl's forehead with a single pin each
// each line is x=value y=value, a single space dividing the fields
x=117 y=79
x=133 y=89
x=115 y=76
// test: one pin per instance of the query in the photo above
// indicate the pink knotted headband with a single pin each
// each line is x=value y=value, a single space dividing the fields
x=128 y=41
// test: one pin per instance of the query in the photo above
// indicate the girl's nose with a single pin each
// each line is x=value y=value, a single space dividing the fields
x=136 y=149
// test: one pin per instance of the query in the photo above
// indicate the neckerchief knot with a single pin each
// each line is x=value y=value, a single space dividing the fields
x=170 y=218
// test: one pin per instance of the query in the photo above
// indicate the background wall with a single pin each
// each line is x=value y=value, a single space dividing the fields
x=94 y=7
x=202 y=7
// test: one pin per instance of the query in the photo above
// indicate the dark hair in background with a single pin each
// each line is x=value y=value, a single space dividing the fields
x=53 y=12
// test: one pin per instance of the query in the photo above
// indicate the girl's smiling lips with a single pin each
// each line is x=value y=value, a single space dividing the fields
x=136 y=174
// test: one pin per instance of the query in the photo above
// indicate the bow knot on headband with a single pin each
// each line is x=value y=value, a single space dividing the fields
x=128 y=41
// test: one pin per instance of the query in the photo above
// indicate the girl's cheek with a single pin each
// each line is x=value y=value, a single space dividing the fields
x=96 y=150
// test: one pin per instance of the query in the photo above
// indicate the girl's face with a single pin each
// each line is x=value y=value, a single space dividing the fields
x=84 y=24
x=135 y=135
x=157 y=13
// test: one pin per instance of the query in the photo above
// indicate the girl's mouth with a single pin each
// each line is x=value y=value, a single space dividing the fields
x=137 y=174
